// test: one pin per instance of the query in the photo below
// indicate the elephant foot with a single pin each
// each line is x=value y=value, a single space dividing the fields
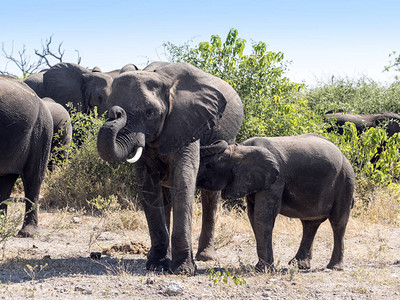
x=186 y=267
x=206 y=254
x=302 y=264
x=29 y=231
x=158 y=265
x=262 y=267
x=335 y=266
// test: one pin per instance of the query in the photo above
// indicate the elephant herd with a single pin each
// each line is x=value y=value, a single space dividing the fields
x=177 y=125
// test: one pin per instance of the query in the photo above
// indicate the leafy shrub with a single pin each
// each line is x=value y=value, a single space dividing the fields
x=361 y=95
x=85 y=178
x=372 y=153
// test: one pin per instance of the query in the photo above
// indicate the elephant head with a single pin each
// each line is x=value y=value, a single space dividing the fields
x=237 y=170
x=67 y=82
x=168 y=108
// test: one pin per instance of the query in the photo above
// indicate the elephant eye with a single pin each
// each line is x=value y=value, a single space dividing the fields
x=149 y=113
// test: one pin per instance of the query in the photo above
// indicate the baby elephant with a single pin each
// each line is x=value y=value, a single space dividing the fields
x=305 y=177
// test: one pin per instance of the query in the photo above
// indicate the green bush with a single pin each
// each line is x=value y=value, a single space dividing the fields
x=361 y=95
x=372 y=153
x=272 y=104
x=85 y=178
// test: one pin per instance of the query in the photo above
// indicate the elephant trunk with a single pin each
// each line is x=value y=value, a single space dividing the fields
x=115 y=143
x=215 y=148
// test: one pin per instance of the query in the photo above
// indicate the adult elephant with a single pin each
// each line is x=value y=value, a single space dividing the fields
x=159 y=120
x=391 y=121
x=62 y=130
x=304 y=177
x=69 y=82
x=26 y=129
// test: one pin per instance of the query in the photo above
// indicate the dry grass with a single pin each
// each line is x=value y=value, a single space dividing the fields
x=68 y=236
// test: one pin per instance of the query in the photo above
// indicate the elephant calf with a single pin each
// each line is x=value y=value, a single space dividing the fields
x=305 y=177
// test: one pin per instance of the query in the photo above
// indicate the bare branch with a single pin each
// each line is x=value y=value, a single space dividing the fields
x=78 y=61
x=48 y=53
x=47 y=57
x=21 y=61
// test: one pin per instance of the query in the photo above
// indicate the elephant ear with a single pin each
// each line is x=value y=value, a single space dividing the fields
x=195 y=105
x=255 y=169
x=63 y=82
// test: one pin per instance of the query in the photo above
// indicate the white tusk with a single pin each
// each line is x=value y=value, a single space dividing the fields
x=136 y=157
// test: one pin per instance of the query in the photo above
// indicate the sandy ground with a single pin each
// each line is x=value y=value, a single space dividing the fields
x=57 y=264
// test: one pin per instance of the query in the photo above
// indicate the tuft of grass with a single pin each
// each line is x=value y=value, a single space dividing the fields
x=9 y=223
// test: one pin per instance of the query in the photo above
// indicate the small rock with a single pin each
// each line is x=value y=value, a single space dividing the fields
x=174 y=288
x=150 y=280
x=83 y=290
x=76 y=220
x=95 y=255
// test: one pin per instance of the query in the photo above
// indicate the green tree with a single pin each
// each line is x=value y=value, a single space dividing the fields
x=272 y=104
x=394 y=64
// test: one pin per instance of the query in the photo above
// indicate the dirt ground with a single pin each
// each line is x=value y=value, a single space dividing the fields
x=57 y=264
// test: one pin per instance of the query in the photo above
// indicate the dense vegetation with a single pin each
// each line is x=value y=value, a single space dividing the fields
x=274 y=106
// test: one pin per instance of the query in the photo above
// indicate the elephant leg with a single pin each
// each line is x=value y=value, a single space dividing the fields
x=6 y=184
x=209 y=202
x=167 y=206
x=183 y=174
x=304 y=254
x=338 y=223
x=151 y=197
x=32 y=180
x=250 y=210
x=266 y=208
x=167 y=210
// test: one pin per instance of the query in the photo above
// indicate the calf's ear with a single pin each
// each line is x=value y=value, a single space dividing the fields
x=256 y=169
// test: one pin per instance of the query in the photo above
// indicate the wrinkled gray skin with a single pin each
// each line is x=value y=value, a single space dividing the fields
x=115 y=73
x=35 y=82
x=62 y=128
x=26 y=129
x=169 y=112
x=304 y=177
x=68 y=82
x=363 y=122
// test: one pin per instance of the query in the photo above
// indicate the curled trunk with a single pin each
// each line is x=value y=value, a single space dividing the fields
x=215 y=148
x=115 y=142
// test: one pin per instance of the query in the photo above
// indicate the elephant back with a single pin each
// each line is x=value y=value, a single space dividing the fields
x=63 y=82
x=35 y=82
x=19 y=109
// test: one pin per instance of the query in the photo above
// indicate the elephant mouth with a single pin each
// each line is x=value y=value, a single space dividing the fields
x=223 y=193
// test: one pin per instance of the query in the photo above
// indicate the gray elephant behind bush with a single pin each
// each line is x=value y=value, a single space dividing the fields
x=305 y=177
x=69 y=82
x=390 y=121
x=26 y=130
